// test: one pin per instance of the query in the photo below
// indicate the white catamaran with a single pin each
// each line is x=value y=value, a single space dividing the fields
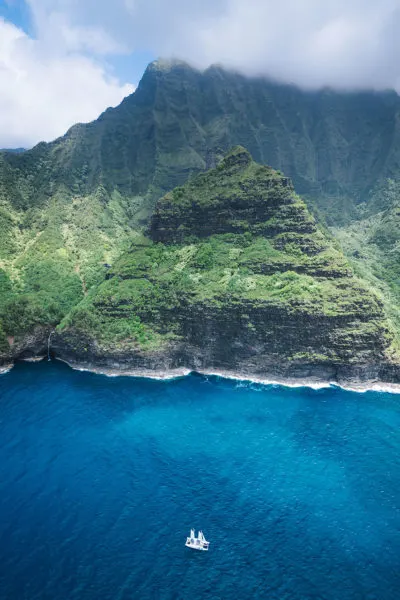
x=198 y=543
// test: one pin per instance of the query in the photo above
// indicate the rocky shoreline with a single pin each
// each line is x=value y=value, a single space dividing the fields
x=315 y=382
x=178 y=359
x=311 y=382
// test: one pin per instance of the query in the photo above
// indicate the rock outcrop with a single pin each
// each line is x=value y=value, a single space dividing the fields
x=234 y=275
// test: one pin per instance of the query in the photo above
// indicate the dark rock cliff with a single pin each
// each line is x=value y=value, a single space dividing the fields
x=235 y=276
x=335 y=146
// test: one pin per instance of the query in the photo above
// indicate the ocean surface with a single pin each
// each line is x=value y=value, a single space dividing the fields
x=298 y=490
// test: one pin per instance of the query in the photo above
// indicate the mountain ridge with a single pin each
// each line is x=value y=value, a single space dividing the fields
x=164 y=131
x=252 y=286
x=70 y=209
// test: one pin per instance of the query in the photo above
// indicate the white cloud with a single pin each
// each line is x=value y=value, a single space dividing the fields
x=44 y=90
x=311 y=43
x=59 y=33
x=61 y=77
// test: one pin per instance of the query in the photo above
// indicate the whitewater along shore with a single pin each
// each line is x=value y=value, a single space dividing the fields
x=313 y=380
x=179 y=358
x=168 y=375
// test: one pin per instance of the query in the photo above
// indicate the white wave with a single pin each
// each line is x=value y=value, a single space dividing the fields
x=6 y=368
x=244 y=378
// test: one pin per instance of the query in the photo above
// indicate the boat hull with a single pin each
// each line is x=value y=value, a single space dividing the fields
x=195 y=547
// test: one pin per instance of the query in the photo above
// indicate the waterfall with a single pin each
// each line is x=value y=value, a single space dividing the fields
x=48 y=345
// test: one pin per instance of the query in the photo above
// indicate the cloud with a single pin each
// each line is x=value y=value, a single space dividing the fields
x=63 y=75
x=311 y=43
x=45 y=89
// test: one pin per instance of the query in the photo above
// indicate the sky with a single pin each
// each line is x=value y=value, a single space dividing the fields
x=65 y=61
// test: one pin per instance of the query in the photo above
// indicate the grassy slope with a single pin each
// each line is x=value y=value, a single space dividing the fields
x=154 y=278
x=372 y=245
x=50 y=257
x=70 y=206
x=299 y=273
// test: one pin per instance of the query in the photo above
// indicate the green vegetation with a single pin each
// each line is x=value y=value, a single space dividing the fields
x=86 y=241
x=50 y=257
x=373 y=248
x=154 y=288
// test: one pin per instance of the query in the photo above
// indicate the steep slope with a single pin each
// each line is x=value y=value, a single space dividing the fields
x=68 y=209
x=234 y=274
x=336 y=147
x=51 y=255
x=372 y=245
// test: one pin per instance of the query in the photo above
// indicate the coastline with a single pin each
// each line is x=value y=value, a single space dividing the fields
x=6 y=368
x=362 y=387
x=146 y=374
x=171 y=374
x=369 y=386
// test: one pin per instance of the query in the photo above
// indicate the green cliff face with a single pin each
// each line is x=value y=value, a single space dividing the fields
x=69 y=210
x=373 y=247
x=234 y=273
x=336 y=147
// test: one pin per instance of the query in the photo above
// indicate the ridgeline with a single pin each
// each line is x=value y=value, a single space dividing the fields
x=146 y=245
x=234 y=274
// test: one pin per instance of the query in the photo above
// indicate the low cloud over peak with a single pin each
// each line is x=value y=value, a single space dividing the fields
x=310 y=43
x=85 y=51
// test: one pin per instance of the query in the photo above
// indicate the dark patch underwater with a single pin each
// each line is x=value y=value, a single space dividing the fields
x=298 y=490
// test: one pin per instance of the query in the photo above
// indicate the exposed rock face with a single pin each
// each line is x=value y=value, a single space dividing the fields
x=69 y=209
x=27 y=346
x=263 y=203
x=221 y=341
x=235 y=276
x=333 y=145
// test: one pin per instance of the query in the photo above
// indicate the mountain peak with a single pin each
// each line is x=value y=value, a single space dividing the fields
x=238 y=196
x=165 y=64
x=237 y=157
x=233 y=274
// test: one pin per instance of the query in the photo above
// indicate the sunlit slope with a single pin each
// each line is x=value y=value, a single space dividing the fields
x=234 y=272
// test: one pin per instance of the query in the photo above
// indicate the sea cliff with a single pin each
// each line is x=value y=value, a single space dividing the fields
x=233 y=275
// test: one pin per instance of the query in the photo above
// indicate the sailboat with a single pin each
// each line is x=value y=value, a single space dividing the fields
x=197 y=543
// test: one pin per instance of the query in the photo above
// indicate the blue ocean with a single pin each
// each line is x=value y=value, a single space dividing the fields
x=101 y=479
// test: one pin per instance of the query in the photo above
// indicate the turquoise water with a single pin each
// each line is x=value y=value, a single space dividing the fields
x=101 y=479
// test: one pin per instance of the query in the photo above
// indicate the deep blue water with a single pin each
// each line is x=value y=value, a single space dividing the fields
x=101 y=479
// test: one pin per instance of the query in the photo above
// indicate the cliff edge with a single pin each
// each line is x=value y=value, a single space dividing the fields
x=233 y=275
